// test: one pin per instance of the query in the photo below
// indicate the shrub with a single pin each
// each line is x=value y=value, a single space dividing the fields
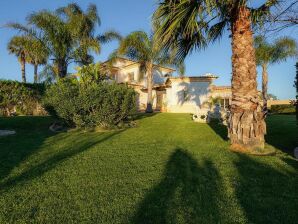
x=20 y=98
x=100 y=104
x=282 y=109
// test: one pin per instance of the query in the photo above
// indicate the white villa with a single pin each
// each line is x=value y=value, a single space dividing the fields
x=170 y=94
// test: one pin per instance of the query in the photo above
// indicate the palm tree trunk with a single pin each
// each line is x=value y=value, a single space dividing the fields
x=265 y=88
x=246 y=125
x=35 y=73
x=62 y=68
x=149 y=68
x=23 y=68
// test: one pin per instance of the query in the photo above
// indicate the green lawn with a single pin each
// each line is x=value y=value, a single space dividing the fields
x=168 y=169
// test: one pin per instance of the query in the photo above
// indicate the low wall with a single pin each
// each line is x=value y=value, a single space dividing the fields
x=278 y=102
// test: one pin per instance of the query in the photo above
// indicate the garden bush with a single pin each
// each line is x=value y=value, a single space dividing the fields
x=20 y=98
x=98 y=104
x=282 y=109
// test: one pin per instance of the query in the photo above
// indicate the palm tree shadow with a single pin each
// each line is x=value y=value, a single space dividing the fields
x=31 y=133
x=186 y=192
x=77 y=146
x=219 y=129
x=277 y=128
x=282 y=133
x=267 y=194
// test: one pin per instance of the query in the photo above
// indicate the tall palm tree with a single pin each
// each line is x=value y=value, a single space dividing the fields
x=83 y=24
x=18 y=45
x=55 y=35
x=141 y=47
x=270 y=53
x=37 y=55
x=49 y=73
x=191 y=25
x=67 y=33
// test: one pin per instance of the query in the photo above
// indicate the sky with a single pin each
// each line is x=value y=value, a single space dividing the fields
x=131 y=15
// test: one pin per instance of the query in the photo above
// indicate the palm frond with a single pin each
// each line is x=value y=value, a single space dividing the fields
x=258 y=15
x=285 y=47
x=136 y=46
x=109 y=36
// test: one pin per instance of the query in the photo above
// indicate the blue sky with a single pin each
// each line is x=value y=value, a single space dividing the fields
x=129 y=15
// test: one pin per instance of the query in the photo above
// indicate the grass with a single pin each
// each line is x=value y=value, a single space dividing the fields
x=168 y=169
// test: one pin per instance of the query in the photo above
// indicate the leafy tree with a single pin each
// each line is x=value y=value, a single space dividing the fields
x=141 y=47
x=192 y=25
x=270 y=53
x=19 y=46
x=92 y=73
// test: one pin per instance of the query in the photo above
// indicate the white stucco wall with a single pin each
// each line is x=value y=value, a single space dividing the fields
x=222 y=94
x=142 y=99
x=186 y=96
x=129 y=67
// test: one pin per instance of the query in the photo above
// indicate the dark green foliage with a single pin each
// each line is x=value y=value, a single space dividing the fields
x=22 y=97
x=282 y=109
x=79 y=104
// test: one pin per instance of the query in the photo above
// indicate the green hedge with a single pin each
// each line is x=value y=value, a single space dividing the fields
x=282 y=109
x=100 y=104
x=20 y=98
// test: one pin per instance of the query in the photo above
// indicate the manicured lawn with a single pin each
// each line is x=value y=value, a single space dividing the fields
x=168 y=169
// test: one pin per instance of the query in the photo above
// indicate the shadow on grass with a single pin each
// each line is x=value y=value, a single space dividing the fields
x=31 y=133
x=281 y=132
x=219 y=129
x=267 y=194
x=72 y=144
x=188 y=193
x=142 y=115
x=194 y=193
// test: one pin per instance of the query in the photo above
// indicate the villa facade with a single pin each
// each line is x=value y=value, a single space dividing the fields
x=170 y=94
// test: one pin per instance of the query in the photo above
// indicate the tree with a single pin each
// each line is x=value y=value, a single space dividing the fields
x=18 y=45
x=83 y=24
x=49 y=74
x=67 y=33
x=270 y=53
x=141 y=47
x=37 y=55
x=286 y=16
x=272 y=96
x=192 y=25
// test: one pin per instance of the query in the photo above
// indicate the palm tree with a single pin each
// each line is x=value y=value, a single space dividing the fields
x=83 y=26
x=141 y=47
x=67 y=33
x=37 y=55
x=191 y=25
x=49 y=74
x=18 y=45
x=270 y=53
x=55 y=35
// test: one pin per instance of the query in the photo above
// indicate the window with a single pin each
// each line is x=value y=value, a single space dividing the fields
x=131 y=76
x=224 y=103
x=113 y=77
